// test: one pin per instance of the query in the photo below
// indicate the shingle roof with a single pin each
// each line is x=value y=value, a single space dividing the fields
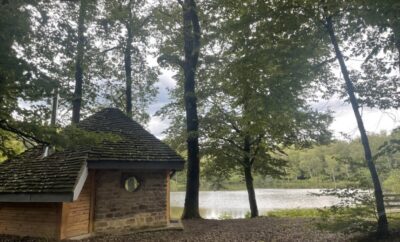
x=30 y=173
x=60 y=172
x=136 y=144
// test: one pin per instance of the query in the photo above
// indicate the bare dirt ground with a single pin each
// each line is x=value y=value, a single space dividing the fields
x=258 y=229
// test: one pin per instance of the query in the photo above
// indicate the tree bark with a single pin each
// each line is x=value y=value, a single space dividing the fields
x=128 y=63
x=397 y=43
x=77 y=99
x=54 y=108
x=191 y=32
x=393 y=23
x=249 y=178
x=382 y=229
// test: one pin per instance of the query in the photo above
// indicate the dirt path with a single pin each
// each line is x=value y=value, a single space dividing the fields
x=258 y=229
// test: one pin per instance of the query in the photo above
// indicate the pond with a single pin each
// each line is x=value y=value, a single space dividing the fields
x=235 y=204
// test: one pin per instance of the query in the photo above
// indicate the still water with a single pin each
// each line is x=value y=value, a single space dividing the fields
x=235 y=204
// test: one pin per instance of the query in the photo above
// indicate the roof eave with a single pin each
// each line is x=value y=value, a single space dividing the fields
x=49 y=197
x=37 y=197
x=131 y=165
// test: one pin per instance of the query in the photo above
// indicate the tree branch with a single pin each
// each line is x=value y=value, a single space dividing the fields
x=180 y=3
x=257 y=140
x=238 y=131
x=145 y=21
x=324 y=62
x=106 y=50
x=171 y=59
x=4 y=125
x=256 y=143
x=232 y=143
x=234 y=158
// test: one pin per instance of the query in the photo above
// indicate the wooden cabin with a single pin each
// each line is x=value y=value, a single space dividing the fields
x=112 y=187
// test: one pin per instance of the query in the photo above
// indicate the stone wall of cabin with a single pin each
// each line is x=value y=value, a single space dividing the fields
x=117 y=210
x=30 y=219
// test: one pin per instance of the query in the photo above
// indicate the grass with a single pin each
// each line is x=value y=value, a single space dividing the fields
x=276 y=183
x=295 y=213
x=176 y=212
x=347 y=220
x=394 y=220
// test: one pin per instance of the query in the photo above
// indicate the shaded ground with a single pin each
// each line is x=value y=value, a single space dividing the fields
x=258 y=229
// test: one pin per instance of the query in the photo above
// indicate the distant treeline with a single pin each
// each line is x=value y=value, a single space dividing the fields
x=336 y=165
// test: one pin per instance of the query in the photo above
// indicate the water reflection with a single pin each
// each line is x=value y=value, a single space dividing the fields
x=235 y=204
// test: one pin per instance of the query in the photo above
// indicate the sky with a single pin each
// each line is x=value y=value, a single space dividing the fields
x=156 y=125
x=375 y=121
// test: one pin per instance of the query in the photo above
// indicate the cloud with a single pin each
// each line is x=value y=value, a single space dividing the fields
x=165 y=82
x=156 y=125
x=375 y=120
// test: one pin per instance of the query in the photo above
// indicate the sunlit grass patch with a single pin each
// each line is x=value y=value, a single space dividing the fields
x=302 y=213
x=347 y=220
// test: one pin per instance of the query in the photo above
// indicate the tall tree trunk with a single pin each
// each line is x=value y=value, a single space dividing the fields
x=396 y=35
x=77 y=99
x=128 y=63
x=53 y=120
x=249 y=178
x=382 y=229
x=54 y=108
x=191 y=33
x=397 y=44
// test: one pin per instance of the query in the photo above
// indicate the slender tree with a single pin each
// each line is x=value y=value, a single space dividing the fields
x=77 y=98
x=125 y=34
x=54 y=107
x=53 y=49
x=382 y=229
x=191 y=34
x=128 y=60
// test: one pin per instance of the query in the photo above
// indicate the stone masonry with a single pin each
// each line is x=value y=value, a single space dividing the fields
x=117 y=210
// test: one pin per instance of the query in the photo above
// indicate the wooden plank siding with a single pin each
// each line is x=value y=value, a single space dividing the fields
x=30 y=219
x=168 y=195
x=92 y=179
x=75 y=219
x=50 y=220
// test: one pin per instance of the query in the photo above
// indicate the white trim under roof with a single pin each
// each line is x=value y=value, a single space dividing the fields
x=81 y=182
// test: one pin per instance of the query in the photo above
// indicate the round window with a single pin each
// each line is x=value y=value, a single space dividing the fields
x=131 y=184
